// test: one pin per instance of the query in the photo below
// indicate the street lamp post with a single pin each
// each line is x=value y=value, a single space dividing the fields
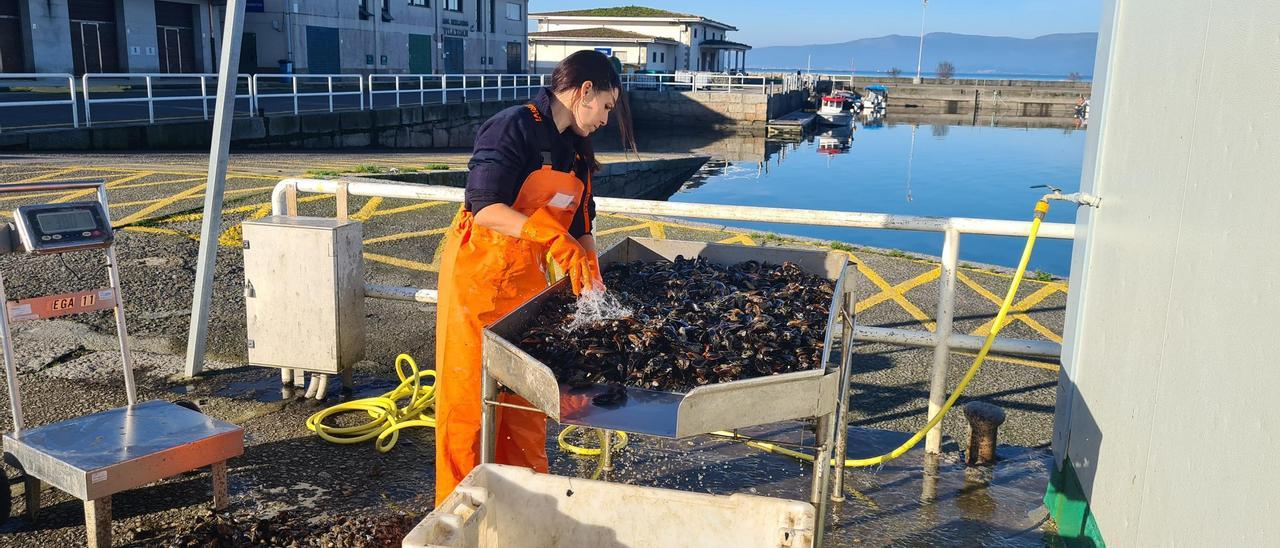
x=920 y=53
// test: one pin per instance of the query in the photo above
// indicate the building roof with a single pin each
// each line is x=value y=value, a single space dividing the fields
x=598 y=33
x=635 y=12
x=619 y=11
x=724 y=44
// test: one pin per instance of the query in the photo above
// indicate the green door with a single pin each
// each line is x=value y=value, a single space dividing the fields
x=419 y=54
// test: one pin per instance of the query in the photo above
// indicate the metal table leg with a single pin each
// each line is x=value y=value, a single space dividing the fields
x=821 y=476
x=842 y=406
x=97 y=522
x=488 y=415
x=31 y=490
x=218 y=471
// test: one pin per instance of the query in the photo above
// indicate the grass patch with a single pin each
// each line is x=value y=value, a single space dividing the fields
x=322 y=173
x=436 y=167
x=897 y=254
x=369 y=168
x=967 y=266
x=840 y=246
x=1042 y=276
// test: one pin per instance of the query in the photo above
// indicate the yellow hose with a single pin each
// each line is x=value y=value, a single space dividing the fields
x=563 y=441
x=387 y=418
x=386 y=415
x=1042 y=207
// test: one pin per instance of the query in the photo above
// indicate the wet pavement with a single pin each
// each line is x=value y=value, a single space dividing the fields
x=70 y=367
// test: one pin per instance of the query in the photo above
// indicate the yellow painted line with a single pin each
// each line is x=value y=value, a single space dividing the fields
x=367 y=209
x=438 y=255
x=622 y=229
x=898 y=290
x=194 y=197
x=1048 y=366
x=1018 y=309
x=396 y=261
x=406 y=236
x=89 y=192
x=159 y=204
x=165 y=231
x=657 y=230
x=234 y=236
x=894 y=294
x=159 y=183
x=738 y=239
x=406 y=209
x=45 y=176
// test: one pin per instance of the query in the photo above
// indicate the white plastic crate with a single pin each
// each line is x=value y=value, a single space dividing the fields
x=502 y=506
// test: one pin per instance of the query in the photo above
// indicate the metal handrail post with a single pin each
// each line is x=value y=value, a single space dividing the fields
x=75 y=111
x=151 y=106
x=294 y=80
x=204 y=98
x=942 y=352
x=422 y=92
x=397 y=92
x=84 y=85
x=464 y=88
x=360 y=85
x=329 y=80
x=444 y=89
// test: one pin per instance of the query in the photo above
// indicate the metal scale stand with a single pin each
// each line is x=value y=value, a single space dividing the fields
x=95 y=456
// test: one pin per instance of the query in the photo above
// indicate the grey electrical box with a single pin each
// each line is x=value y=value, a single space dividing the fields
x=304 y=292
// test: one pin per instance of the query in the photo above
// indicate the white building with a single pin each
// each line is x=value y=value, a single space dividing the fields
x=641 y=38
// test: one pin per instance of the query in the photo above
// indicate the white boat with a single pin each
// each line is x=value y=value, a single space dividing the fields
x=876 y=99
x=834 y=111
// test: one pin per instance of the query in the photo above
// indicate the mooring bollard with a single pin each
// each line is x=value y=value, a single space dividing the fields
x=984 y=420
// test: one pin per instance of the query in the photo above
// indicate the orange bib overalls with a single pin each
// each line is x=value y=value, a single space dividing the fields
x=483 y=276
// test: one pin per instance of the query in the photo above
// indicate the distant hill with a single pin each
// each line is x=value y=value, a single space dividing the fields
x=1053 y=54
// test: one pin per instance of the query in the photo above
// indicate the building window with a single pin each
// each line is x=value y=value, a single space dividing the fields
x=662 y=57
x=695 y=32
x=453 y=5
x=423 y=3
x=514 y=12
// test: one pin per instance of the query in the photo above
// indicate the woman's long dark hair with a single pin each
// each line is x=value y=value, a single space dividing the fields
x=593 y=66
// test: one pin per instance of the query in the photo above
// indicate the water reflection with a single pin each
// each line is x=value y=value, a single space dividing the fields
x=963 y=166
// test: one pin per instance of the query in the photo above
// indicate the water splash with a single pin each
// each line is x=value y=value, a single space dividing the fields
x=596 y=306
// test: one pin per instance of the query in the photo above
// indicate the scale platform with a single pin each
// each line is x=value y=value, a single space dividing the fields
x=97 y=455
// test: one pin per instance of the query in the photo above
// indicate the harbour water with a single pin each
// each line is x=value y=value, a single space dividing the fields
x=917 y=166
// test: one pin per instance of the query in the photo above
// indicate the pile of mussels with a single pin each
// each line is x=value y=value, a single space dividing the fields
x=693 y=323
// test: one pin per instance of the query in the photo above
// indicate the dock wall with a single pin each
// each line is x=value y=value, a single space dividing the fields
x=710 y=109
x=1033 y=98
x=432 y=126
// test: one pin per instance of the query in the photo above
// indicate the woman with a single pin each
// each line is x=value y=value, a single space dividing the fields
x=528 y=196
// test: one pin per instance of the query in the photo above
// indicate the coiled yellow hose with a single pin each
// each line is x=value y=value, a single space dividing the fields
x=387 y=418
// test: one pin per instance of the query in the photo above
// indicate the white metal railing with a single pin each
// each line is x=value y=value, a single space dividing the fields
x=942 y=340
x=28 y=82
x=292 y=82
x=298 y=90
x=149 y=89
x=423 y=89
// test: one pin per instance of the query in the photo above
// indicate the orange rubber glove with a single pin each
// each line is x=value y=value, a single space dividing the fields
x=582 y=268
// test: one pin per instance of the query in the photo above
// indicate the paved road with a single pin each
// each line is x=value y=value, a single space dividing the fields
x=69 y=367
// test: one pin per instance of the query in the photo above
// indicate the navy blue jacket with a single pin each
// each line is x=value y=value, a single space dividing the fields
x=507 y=150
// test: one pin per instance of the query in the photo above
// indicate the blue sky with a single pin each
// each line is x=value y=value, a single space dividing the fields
x=771 y=23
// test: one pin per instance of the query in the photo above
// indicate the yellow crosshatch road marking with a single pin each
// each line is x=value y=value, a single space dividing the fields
x=739 y=239
x=893 y=292
x=1018 y=310
x=46 y=176
x=367 y=210
x=159 y=204
x=402 y=263
x=406 y=236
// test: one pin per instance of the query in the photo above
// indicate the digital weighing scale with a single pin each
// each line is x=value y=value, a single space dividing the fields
x=94 y=456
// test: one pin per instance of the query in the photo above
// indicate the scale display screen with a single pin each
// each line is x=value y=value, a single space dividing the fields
x=66 y=221
x=59 y=228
